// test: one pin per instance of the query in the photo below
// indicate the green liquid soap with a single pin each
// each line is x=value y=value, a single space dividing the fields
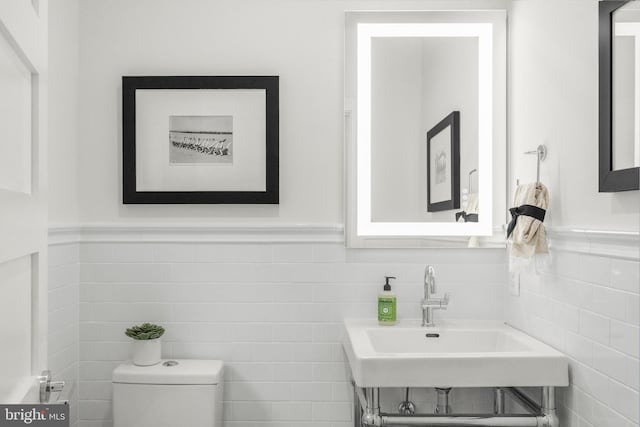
x=387 y=305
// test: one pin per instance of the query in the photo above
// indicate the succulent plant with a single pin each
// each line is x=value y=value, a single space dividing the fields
x=146 y=331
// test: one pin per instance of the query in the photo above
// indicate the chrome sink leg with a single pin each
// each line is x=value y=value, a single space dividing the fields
x=371 y=415
x=549 y=406
x=442 y=401
x=357 y=407
x=498 y=401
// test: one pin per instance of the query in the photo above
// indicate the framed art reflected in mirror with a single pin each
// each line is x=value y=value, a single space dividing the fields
x=443 y=164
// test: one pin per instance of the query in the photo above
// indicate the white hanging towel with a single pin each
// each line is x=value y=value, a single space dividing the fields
x=472 y=204
x=526 y=231
x=471 y=214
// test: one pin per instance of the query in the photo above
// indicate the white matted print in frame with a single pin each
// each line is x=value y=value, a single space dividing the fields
x=200 y=139
x=439 y=166
x=211 y=139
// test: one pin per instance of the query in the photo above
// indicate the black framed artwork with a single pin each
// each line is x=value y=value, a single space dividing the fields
x=200 y=139
x=443 y=164
x=611 y=178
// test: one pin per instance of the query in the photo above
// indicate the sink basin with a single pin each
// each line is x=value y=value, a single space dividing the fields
x=461 y=353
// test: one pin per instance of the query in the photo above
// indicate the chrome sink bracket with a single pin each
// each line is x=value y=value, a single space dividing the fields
x=539 y=415
x=47 y=386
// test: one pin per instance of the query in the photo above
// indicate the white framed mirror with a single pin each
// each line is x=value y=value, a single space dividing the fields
x=425 y=128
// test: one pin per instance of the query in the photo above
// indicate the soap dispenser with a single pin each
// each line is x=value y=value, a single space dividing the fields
x=387 y=305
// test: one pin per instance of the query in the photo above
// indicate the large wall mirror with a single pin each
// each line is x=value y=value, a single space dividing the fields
x=425 y=128
x=619 y=95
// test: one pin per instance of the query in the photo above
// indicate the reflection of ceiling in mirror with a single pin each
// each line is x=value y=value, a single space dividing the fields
x=626 y=87
x=630 y=12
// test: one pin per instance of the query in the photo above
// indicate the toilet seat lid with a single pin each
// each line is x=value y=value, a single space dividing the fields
x=185 y=372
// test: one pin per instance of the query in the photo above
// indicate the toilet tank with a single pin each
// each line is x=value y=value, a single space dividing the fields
x=173 y=393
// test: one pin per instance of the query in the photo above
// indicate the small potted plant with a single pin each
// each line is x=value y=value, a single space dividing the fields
x=146 y=343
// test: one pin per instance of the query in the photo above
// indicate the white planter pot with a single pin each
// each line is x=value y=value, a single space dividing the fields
x=146 y=352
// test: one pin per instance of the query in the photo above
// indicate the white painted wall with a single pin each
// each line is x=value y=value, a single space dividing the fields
x=301 y=41
x=64 y=82
x=553 y=99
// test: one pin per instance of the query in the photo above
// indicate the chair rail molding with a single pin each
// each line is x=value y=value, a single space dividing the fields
x=175 y=233
x=617 y=244
x=614 y=244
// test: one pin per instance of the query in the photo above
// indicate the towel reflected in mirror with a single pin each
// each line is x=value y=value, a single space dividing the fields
x=470 y=214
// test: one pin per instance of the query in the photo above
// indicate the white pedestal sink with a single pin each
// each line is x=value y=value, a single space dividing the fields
x=460 y=353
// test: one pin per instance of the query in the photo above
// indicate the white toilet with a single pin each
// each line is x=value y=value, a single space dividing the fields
x=173 y=393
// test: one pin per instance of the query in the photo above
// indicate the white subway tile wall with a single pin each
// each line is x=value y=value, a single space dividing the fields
x=272 y=312
x=587 y=307
x=63 y=320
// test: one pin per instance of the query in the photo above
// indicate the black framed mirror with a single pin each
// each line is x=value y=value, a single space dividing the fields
x=619 y=136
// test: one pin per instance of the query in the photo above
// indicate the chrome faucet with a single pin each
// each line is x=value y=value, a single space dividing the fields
x=429 y=303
